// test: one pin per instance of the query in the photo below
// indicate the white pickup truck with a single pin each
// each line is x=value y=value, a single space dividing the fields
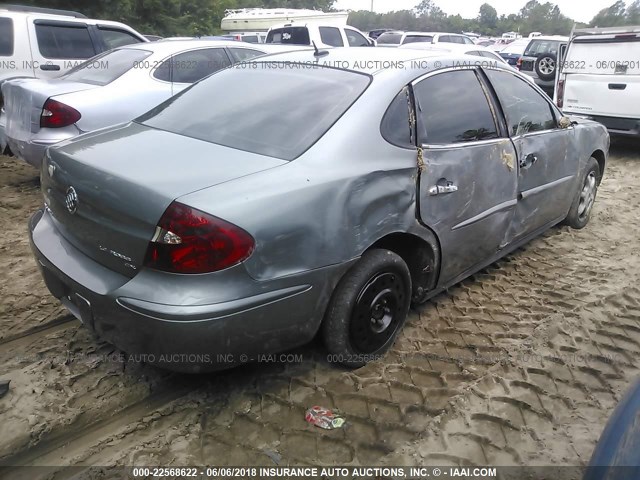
x=599 y=78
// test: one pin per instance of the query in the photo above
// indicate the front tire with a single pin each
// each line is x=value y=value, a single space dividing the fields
x=580 y=211
x=367 y=309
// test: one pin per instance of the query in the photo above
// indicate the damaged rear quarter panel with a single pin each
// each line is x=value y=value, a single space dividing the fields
x=329 y=205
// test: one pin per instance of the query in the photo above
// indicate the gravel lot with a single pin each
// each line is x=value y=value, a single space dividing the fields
x=519 y=365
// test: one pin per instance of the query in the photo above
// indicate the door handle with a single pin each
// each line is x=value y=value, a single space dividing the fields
x=440 y=189
x=528 y=161
x=49 y=67
x=617 y=86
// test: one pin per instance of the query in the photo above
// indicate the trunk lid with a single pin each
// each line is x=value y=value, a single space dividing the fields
x=603 y=95
x=24 y=99
x=123 y=179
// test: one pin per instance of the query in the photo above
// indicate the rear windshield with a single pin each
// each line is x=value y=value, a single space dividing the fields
x=390 y=39
x=104 y=69
x=418 y=39
x=6 y=37
x=608 y=56
x=289 y=35
x=277 y=109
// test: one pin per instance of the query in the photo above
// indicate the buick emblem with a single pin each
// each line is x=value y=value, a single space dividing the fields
x=71 y=200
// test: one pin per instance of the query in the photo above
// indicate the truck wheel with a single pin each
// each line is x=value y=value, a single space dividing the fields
x=585 y=197
x=545 y=66
x=367 y=309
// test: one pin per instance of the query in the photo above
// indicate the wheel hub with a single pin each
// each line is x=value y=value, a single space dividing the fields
x=377 y=312
x=587 y=195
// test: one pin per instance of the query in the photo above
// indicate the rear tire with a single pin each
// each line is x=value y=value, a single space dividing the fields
x=585 y=197
x=367 y=309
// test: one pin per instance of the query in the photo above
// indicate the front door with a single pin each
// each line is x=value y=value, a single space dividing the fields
x=546 y=165
x=467 y=188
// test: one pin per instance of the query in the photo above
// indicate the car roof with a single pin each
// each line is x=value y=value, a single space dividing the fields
x=66 y=18
x=447 y=47
x=376 y=61
x=169 y=47
x=559 y=38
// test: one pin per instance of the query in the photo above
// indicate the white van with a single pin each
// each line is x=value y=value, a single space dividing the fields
x=599 y=78
x=321 y=35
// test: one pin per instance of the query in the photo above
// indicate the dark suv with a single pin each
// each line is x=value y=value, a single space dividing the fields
x=540 y=59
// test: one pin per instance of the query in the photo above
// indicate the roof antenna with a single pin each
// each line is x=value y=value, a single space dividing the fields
x=318 y=53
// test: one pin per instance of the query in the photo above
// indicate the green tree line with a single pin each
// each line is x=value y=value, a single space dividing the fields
x=202 y=17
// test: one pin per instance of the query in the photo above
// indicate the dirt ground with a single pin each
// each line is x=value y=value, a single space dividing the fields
x=519 y=365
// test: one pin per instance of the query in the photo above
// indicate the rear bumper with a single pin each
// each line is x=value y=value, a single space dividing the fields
x=254 y=318
x=618 y=126
x=32 y=150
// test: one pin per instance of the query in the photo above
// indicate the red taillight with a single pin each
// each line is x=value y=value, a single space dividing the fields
x=190 y=241
x=519 y=64
x=56 y=115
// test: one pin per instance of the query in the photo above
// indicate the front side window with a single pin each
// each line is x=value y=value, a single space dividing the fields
x=64 y=42
x=118 y=38
x=355 y=39
x=189 y=67
x=525 y=108
x=331 y=36
x=6 y=37
x=278 y=110
x=453 y=108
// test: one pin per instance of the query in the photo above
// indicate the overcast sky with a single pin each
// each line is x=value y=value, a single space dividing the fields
x=580 y=10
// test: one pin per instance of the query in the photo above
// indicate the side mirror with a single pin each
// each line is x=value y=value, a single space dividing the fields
x=565 y=122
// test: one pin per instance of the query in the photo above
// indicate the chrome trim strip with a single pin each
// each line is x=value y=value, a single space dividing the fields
x=498 y=208
x=446 y=146
x=546 y=186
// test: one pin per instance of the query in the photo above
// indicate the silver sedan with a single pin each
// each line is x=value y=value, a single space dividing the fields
x=302 y=193
x=110 y=88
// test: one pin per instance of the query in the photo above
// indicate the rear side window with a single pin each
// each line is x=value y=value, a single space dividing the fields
x=6 y=37
x=396 y=127
x=454 y=108
x=526 y=109
x=105 y=68
x=418 y=39
x=118 y=38
x=268 y=101
x=289 y=35
x=390 y=39
x=331 y=36
x=242 y=54
x=58 y=41
x=539 y=47
x=189 y=67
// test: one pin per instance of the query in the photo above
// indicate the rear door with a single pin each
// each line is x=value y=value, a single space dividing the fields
x=602 y=76
x=467 y=188
x=545 y=163
x=58 y=46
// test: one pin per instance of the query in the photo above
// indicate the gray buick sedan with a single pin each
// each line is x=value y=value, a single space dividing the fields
x=305 y=193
